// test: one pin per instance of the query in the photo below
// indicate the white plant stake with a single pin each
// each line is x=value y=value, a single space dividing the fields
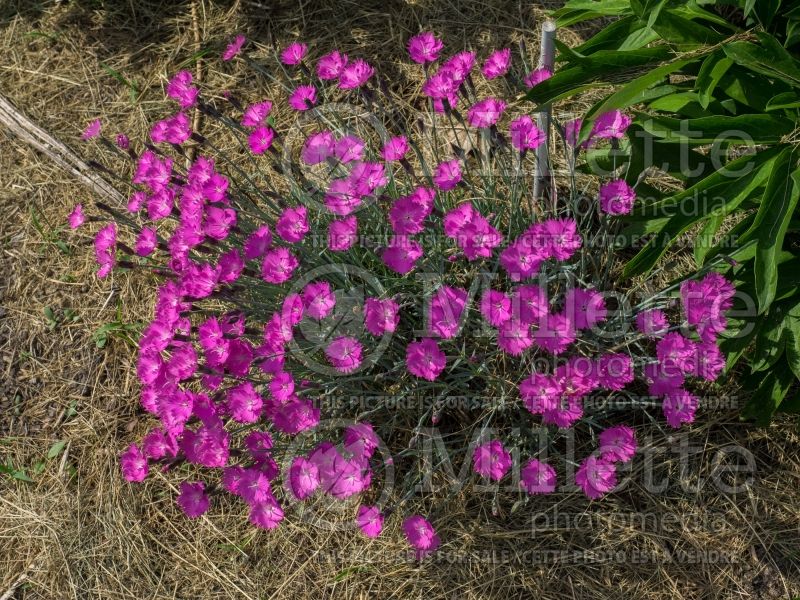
x=546 y=60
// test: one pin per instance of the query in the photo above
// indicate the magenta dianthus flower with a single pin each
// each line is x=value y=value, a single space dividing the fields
x=679 y=407
x=537 y=76
x=617 y=443
x=497 y=63
x=424 y=47
x=134 y=464
x=260 y=139
x=292 y=225
x=486 y=112
x=342 y=234
x=537 y=477
x=76 y=218
x=491 y=460
x=447 y=175
x=524 y=134
x=193 y=499
x=370 y=521
x=596 y=477
x=355 y=74
x=303 y=97
x=255 y=114
x=293 y=53
x=234 y=48
x=495 y=307
x=344 y=354
x=652 y=323
x=420 y=535
x=395 y=148
x=303 y=478
x=611 y=125
x=617 y=197
x=381 y=316
x=424 y=359
x=330 y=66
x=401 y=254
x=514 y=337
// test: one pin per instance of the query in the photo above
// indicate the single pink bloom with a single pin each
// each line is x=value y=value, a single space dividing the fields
x=447 y=175
x=652 y=323
x=420 y=535
x=92 y=130
x=134 y=464
x=318 y=299
x=395 y=148
x=349 y=148
x=370 y=521
x=495 y=307
x=193 y=499
x=424 y=47
x=293 y=53
x=537 y=477
x=596 y=477
x=555 y=333
x=76 y=218
x=401 y=254
x=486 y=112
x=355 y=74
x=381 y=316
x=617 y=197
x=255 y=114
x=611 y=125
x=514 y=337
x=234 y=48
x=303 y=478
x=424 y=359
x=266 y=515
x=491 y=460
x=540 y=393
x=260 y=139
x=617 y=443
x=318 y=147
x=344 y=354
x=303 y=97
x=331 y=65
x=342 y=234
x=146 y=241
x=497 y=63
x=537 y=76
x=278 y=265
x=293 y=225
x=525 y=135
x=584 y=307
x=679 y=407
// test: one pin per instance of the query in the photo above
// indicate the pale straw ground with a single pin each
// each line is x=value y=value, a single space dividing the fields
x=76 y=530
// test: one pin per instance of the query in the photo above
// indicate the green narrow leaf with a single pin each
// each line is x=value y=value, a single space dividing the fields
x=705 y=240
x=769 y=394
x=768 y=58
x=792 y=342
x=718 y=193
x=56 y=449
x=757 y=129
x=770 y=340
x=784 y=100
x=769 y=228
x=631 y=93
x=714 y=67
x=682 y=32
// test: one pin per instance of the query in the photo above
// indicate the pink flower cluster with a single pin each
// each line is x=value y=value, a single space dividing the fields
x=224 y=385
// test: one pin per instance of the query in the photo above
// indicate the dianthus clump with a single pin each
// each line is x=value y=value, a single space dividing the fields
x=327 y=261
